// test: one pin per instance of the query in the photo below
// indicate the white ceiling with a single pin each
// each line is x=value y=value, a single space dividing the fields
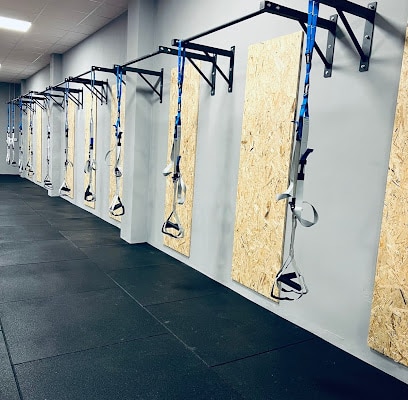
x=57 y=25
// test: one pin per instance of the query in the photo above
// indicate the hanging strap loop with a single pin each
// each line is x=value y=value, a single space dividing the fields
x=116 y=208
x=29 y=166
x=13 y=134
x=289 y=279
x=21 y=144
x=47 y=180
x=8 y=137
x=172 y=226
x=90 y=164
x=64 y=189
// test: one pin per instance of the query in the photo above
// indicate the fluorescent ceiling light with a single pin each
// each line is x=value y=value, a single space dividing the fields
x=14 y=24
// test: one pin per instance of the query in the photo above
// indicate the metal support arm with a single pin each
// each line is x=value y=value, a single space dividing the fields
x=142 y=72
x=76 y=95
x=98 y=87
x=210 y=55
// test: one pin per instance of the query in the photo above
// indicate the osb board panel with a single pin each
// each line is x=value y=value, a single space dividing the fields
x=189 y=126
x=388 y=332
x=87 y=130
x=72 y=109
x=114 y=117
x=38 y=144
x=267 y=134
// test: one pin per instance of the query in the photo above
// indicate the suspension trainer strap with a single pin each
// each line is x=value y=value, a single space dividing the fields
x=90 y=165
x=289 y=278
x=116 y=207
x=29 y=166
x=21 y=144
x=172 y=226
x=65 y=189
x=47 y=180
x=8 y=137
x=13 y=135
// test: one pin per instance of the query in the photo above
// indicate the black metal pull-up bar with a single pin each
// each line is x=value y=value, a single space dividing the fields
x=369 y=13
x=75 y=94
x=97 y=87
x=209 y=54
x=329 y=24
x=142 y=72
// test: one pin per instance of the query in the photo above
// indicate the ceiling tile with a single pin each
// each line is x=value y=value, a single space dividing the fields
x=109 y=11
x=57 y=26
x=95 y=20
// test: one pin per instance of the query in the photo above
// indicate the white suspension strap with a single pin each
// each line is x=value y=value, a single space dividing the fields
x=21 y=144
x=65 y=189
x=8 y=136
x=116 y=207
x=289 y=279
x=29 y=166
x=47 y=180
x=13 y=135
x=172 y=226
x=90 y=164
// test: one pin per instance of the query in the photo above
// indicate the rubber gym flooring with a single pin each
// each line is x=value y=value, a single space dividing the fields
x=85 y=316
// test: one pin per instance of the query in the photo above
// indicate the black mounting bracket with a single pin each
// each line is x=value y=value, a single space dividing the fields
x=142 y=72
x=20 y=103
x=24 y=104
x=210 y=55
x=74 y=94
x=368 y=13
x=38 y=98
x=97 y=87
x=56 y=98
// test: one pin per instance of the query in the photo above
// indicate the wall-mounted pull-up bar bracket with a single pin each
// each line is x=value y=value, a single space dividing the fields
x=142 y=72
x=97 y=87
x=368 y=13
x=19 y=102
x=22 y=104
x=330 y=25
x=196 y=56
x=38 y=98
x=74 y=94
x=211 y=53
x=56 y=98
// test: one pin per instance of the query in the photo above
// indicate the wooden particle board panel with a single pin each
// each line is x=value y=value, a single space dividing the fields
x=112 y=158
x=38 y=144
x=87 y=129
x=388 y=331
x=271 y=93
x=189 y=127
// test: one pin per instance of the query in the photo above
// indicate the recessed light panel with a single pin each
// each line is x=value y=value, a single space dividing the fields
x=14 y=24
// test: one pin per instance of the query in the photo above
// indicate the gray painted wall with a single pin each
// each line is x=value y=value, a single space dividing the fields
x=351 y=126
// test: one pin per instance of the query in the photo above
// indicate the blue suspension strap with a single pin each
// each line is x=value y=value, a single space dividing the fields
x=21 y=144
x=47 y=180
x=172 y=226
x=289 y=278
x=13 y=135
x=29 y=166
x=65 y=189
x=8 y=136
x=90 y=164
x=116 y=207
